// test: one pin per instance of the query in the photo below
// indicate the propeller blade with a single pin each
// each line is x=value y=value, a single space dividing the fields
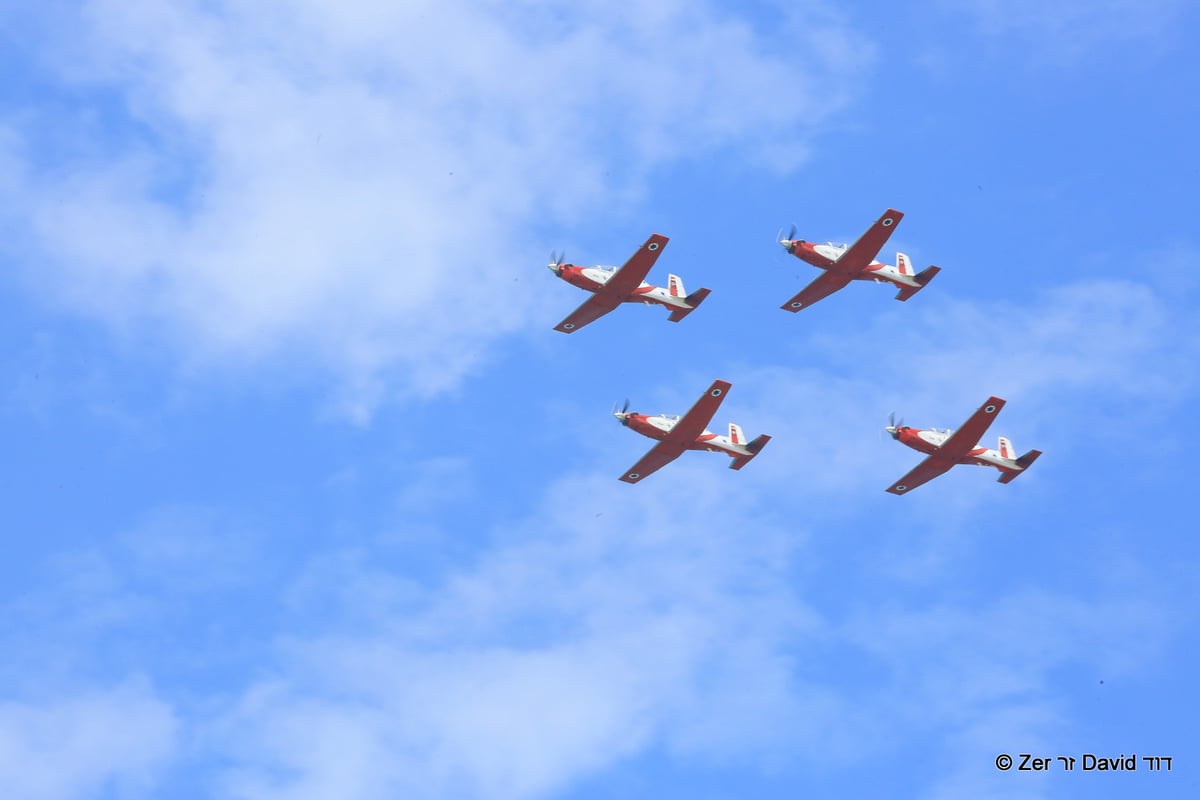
x=892 y=420
x=792 y=233
x=626 y=407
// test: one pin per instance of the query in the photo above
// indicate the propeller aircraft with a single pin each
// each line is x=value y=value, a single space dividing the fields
x=611 y=287
x=844 y=263
x=947 y=448
x=676 y=434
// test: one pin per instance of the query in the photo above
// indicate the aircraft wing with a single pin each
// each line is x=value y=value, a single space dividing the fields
x=592 y=309
x=659 y=456
x=693 y=423
x=862 y=252
x=826 y=284
x=924 y=472
x=684 y=432
x=963 y=440
x=634 y=271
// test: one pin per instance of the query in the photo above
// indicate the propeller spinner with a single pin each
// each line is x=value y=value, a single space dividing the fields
x=791 y=241
x=622 y=415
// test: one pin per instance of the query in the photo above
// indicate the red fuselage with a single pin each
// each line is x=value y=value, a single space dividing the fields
x=575 y=276
x=642 y=424
x=912 y=438
x=806 y=252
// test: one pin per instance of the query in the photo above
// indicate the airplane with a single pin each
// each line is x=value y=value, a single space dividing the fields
x=676 y=434
x=947 y=448
x=844 y=263
x=611 y=287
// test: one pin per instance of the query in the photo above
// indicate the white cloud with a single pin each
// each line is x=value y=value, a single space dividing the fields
x=100 y=743
x=1068 y=28
x=986 y=675
x=1100 y=348
x=682 y=621
x=552 y=657
x=361 y=184
x=677 y=621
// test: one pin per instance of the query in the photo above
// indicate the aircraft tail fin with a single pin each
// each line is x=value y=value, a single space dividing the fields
x=693 y=301
x=1023 y=462
x=903 y=264
x=922 y=278
x=1006 y=448
x=755 y=447
x=675 y=286
x=735 y=434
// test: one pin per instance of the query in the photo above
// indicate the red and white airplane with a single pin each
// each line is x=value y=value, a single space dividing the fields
x=844 y=263
x=611 y=287
x=947 y=448
x=676 y=434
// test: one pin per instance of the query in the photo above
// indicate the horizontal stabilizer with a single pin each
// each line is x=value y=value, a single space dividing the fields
x=1023 y=462
x=923 y=277
x=693 y=300
x=754 y=447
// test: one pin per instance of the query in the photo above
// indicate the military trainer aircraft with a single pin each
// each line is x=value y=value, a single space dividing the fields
x=611 y=287
x=844 y=263
x=676 y=434
x=947 y=448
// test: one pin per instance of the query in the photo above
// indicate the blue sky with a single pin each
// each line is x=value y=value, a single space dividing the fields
x=306 y=499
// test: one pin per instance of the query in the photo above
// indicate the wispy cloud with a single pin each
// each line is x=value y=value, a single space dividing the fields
x=547 y=660
x=1105 y=348
x=359 y=187
x=112 y=741
x=1070 y=28
x=691 y=622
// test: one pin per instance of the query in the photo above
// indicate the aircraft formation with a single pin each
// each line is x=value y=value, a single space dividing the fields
x=841 y=264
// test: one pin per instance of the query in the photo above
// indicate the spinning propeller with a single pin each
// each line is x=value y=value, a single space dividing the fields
x=791 y=241
x=894 y=425
x=556 y=262
x=622 y=415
